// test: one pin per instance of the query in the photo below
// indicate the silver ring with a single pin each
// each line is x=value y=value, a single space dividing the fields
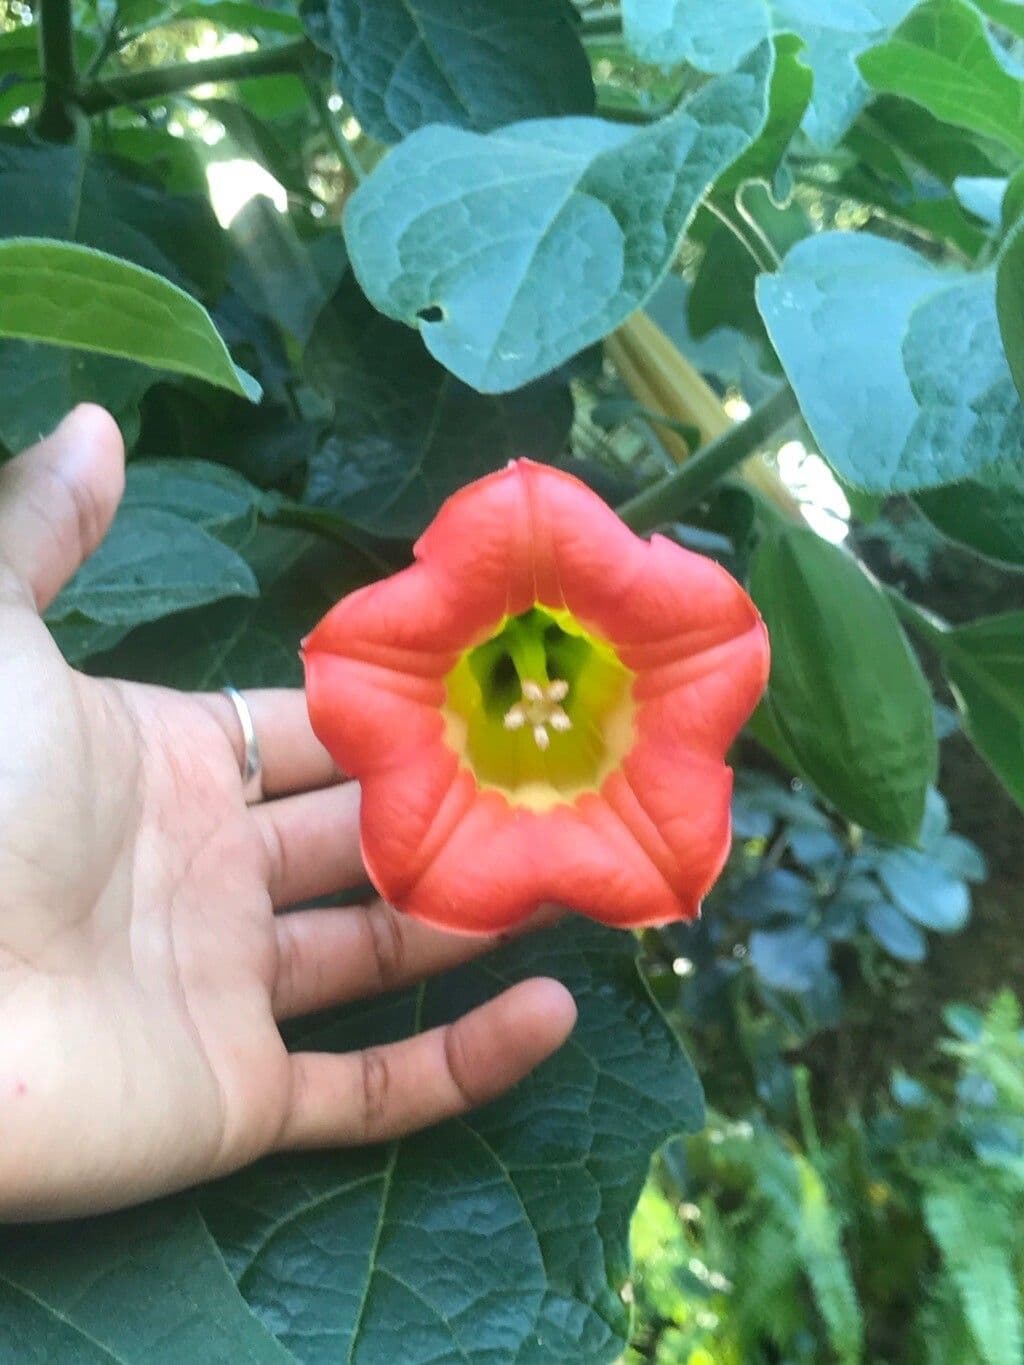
x=252 y=761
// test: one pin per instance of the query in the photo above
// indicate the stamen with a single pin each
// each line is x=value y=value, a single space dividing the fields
x=539 y=708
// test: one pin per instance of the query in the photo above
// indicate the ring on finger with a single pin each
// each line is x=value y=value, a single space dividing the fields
x=252 y=761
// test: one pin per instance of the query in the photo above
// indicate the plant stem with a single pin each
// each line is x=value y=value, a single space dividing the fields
x=337 y=139
x=670 y=496
x=278 y=60
x=805 y=1113
x=57 y=56
x=741 y=237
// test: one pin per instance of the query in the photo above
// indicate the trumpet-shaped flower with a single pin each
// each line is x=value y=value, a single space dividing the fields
x=538 y=709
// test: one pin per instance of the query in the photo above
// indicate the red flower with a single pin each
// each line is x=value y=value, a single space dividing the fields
x=538 y=709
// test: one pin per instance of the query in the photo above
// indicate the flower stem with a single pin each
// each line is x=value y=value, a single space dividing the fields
x=57 y=56
x=278 y=60
x=669 y=497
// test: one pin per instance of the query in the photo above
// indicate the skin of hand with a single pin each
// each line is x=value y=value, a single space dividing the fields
x=143 y=969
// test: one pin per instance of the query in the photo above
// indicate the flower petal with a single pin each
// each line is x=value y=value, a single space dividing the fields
x=700 y=702
x=481 y=865
x=370 y=718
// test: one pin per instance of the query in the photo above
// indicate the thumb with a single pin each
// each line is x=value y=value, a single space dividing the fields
x=58 y=499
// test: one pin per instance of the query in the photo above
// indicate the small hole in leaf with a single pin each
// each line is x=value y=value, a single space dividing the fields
x=432 y=314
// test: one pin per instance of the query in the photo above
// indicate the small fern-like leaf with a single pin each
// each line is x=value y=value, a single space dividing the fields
x=821 y=1251
x=974 y=1230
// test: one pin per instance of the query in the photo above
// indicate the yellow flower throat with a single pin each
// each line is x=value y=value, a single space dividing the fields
x=542 y=710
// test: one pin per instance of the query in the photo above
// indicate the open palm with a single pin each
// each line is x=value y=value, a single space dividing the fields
x=143 y=969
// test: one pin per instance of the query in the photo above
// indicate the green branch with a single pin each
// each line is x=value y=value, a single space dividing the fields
x=667 y=499
x=56 y=120
x=282 y=59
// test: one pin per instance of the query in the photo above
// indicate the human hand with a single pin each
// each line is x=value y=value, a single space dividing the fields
x=143 y=971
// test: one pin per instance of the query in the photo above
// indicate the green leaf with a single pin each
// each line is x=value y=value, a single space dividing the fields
x=139 y=1287
x=277 y=273
x=942 y=57
x=832 y=33
x=788 y=97
x=1009 y=13
x=50 y=381
x=925 y=891
x=405 y=433
x=209 y=495
x=846 y=692
x=669 y=32
x=890 y=928
x=790 y=959
x=497 y=1239
x=152 y=563
x=250 y=642
x=74 y=296
x=985 y=517
x=984 y=662
x=975 y=1233
x=234 y=15
x=1010 y=302
x=470 y=63
x=515 y=250
x=89 y=199
x=821 y=1252
x=897 y=364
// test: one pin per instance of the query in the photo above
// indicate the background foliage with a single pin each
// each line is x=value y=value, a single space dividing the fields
x=463 y=205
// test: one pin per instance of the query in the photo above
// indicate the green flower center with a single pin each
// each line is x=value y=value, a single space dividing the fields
x=542 y=710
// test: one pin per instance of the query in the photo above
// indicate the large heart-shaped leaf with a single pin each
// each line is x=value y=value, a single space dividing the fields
x=497 y=1239
x=833 y=33
x=471 y=63
x=515 y=250
x=897 y=364
x=942 y=57
x=137 y=1288
x=845 y=690
x=405 y=433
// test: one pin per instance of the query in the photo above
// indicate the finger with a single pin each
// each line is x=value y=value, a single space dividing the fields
x=329 y=957
x=58 y=499
x=312 y=843
x=293 y=758
x=357 y=1097
x=337 y=955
